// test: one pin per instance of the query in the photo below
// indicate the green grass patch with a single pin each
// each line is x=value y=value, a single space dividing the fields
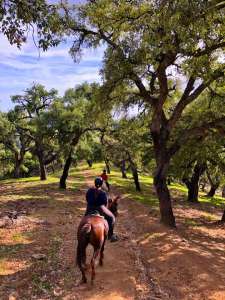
x=215 y=201
x=21 y=238
x=191 y=222
x=127 y=187
x=146 y=196
x=8 y=250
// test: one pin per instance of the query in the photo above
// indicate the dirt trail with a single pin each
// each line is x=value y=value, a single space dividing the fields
x=148 y=262
x=123 y=275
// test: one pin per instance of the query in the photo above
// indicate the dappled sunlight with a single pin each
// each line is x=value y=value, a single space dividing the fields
x=9 y=267
x=148 y=237
x=187 y=256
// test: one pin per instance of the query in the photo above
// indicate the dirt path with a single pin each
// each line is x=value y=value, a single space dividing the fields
x=148 y=262
x=123 y=275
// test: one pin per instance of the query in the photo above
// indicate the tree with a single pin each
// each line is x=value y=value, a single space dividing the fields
x=72 y=117
x=30 y=116
x=214 y=178
x=15 y=140
x=124 y=142
x=150 y=45
x=18 y=18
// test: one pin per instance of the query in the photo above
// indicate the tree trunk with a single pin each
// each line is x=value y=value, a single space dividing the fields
x=16 y=172
x=193 y=183
x=123 y=169
x=42 y=168
x=223 y=192
x=19 y=158
x=193 y=188
x=62 y=183
x=223 y=217
x=135 y=177
x=160 y=184
x=89 y=161
x=214 y=184
x=17 y=165
x=212 y=191
x=202 y=186
x=107 y=165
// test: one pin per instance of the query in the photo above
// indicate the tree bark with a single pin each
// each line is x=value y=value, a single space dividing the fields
x=212 y=191
x=160 y=184
x=63 y=178
x=223 y=191
x=43 y=175
x=89 y=161
x=193 y=183
x=19 y=157
x=135 y=176
x=123 y=169
x=107 y=165
x=51 y=157
x=223 y=217
x=213 y=185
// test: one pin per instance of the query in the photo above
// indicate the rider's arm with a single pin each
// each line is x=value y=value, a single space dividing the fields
x=106 y=211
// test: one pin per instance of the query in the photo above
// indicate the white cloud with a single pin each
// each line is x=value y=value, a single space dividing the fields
x=54 y=68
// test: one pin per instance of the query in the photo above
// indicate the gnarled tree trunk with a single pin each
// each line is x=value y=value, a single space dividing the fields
x=223 y=191
x=63 y=178
x=213 y=185
x=193 y=183
x=89 y=161
x=160 y=184
x=19 y=157
x=40 y=155
x=212 y=191
x=107 y=165
x=223 y=217
x=123 y=169
x=135 y=177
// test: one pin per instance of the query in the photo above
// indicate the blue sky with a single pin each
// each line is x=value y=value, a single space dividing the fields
x=54 y=69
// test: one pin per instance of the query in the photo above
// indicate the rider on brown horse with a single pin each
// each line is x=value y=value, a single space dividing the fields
x=97 y=204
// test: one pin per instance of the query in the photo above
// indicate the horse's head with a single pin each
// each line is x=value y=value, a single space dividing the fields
x=113 y=205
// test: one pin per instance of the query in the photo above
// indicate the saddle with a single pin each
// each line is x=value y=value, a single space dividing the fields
x=97 y=214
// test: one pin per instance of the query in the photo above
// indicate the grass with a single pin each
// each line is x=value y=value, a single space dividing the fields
x=21 y=238
x=74 y=180
x=50 y=179
x=146 y=196
x=126 y=186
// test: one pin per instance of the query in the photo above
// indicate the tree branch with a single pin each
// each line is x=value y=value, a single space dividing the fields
x=198 y=131
x=187 y=98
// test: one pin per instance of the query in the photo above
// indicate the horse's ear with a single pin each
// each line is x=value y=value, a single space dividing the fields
x=116 y=200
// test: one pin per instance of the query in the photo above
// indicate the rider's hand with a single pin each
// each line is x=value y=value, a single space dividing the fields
x=107 y=212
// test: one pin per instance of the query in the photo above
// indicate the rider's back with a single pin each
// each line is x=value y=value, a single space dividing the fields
x=95 y=199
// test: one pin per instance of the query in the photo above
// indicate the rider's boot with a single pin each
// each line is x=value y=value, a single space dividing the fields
x=113 y=238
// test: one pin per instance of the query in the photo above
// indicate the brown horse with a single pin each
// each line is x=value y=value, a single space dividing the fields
x=93 y=229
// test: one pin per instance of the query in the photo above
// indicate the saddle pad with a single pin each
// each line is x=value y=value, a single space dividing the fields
x=96 y=215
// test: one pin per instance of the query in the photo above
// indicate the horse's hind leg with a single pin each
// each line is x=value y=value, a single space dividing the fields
x=84 y=278
x=81 y=258
x=102 y=253
x=95 y=255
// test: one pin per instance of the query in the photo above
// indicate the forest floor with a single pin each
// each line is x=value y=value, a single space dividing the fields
x=37 y=249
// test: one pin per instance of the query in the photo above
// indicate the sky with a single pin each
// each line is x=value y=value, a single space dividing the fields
x=19 y=69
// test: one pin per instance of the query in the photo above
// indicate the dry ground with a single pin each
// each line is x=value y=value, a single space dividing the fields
x=149 y=261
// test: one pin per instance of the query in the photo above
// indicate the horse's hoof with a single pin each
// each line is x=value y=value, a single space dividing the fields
x=101 y=263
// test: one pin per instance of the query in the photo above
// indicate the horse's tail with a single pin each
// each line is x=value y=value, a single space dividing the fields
x=83 y=238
